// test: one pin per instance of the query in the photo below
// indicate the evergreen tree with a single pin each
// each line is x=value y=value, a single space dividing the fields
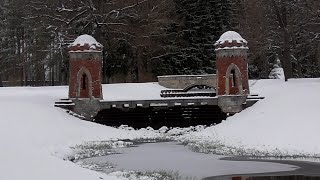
x=190 y=41
x=12 y=32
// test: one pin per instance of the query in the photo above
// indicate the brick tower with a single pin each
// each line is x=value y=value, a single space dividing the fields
x=232 y=67
x=85 y=68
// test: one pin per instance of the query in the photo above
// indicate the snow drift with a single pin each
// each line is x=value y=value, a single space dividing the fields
x=284 y=123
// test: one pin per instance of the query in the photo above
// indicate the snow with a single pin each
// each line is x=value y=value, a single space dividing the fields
x=229 y=37
x=86 y=39
x=285 y=122
x=132 y=91
x=136 y=91
x=231 y=48
x=277 y=73
x=35 y=136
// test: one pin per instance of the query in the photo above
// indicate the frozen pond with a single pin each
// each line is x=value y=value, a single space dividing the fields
x=170 y=156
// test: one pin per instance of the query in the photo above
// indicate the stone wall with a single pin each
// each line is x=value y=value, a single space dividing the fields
x=231 y=104
x=185 y=81
x=88 y=108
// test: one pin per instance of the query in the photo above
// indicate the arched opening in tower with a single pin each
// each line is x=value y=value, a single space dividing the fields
x=233 y=75
x=84 y=83
x=84 y=86
x=233 y=81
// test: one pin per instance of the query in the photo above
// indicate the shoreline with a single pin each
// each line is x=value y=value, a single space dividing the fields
x=306 y=168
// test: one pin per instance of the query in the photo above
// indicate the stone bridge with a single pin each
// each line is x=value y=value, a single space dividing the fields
x=188 y=81
x=217 y=95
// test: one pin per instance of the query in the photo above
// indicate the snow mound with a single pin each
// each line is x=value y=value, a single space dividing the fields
x=285 y=121
x=230 y=36
x=35 y=136
x=86 y=39
x=277 y=73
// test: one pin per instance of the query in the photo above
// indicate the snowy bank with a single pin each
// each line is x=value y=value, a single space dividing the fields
x=35 y=136
x=285 y=123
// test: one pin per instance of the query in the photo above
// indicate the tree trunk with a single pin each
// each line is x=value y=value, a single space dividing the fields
x=281 y=13
x=1 y=84
x=286 y=56
x=52 y=75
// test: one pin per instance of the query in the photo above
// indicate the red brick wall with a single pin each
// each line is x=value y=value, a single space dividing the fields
x=222 y=66
x=94 y=67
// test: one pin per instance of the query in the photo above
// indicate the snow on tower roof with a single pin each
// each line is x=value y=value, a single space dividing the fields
x=85 y=43
x=86 y=39
x=230 y=36
x=231 y=40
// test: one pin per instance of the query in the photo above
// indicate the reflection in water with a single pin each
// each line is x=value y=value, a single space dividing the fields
x=267 y=178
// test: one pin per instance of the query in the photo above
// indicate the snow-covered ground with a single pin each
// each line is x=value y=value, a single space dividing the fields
x=35 y=136
x=132 y=91
x=285 y=123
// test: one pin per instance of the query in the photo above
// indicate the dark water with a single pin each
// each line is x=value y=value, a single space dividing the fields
x=309 y=169
x=292 y=177
x=157 y=117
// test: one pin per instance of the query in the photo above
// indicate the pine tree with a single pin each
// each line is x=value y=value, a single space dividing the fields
x=190 y=41
x=12 y=32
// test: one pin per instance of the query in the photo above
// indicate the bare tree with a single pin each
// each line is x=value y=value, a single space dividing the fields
x=285 y=29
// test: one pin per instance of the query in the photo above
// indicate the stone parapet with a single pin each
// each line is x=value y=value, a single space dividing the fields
x=231 y=53
x=85 y=55
x=185 y=81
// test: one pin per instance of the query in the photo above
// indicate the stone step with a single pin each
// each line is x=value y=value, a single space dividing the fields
x=68 y=106
x=255 y=97
x=76 y=115
x=63 y=102
x=195 y=94
x=250 y=102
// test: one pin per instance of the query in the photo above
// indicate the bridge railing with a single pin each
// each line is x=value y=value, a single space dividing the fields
x=184 y=81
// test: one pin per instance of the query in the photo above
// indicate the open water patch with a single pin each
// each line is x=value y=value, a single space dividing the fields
x=248 y=177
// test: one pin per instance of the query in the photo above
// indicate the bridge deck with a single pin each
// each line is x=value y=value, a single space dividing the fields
x=167 y=102
x=170 y=112
x=164 y=102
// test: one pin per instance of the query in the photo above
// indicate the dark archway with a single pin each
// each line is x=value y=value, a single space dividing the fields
x=233 y=80
x=157 y=117
x=194 y=90
x=84 y=84
x=199 y=87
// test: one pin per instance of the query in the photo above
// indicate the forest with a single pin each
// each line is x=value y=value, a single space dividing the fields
x=146 y=38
